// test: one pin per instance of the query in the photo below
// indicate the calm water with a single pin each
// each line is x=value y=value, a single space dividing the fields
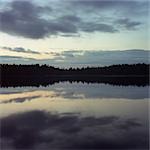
x=74 y=116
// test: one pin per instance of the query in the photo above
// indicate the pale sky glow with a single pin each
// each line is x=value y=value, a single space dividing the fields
x=34 y=56
x=52 y=27
x=103 y=41
x=4 y=52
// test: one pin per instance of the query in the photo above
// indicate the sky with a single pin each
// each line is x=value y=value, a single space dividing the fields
x=74 y=32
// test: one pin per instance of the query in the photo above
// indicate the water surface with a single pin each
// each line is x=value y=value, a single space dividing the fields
x=74 y=116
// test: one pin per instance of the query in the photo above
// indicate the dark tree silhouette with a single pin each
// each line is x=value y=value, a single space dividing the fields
x=15 y=75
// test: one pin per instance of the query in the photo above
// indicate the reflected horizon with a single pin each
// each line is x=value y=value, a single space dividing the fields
x=80 y=90
x=46 y=81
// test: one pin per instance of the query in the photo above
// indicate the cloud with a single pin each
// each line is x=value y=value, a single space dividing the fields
x=74 y=58
x=92 y=27
x=24 y=19
x=19 y=100
x=128 y=24
x=99 y=4
x=71 y=18
x=82 y=91
x=130 y=123
x=123 y=6
x=20 y=49
x=43 y=130
x=89 y=91
x=11 y=57
x=36 y=21
x=103 y=58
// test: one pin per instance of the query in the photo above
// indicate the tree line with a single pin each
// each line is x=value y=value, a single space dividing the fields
x=45 y=70
x=44 y=75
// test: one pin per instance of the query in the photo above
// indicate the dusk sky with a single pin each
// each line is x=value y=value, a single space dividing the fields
x=74 y=32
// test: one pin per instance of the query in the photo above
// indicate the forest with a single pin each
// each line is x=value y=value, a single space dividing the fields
x=44 y=70
x=43 y=75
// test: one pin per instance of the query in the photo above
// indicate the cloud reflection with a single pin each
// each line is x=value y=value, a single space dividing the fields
x=74 y=91
x=42 y=130
x=19 y=100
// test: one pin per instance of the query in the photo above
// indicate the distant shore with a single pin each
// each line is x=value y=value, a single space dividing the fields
x=35 y=75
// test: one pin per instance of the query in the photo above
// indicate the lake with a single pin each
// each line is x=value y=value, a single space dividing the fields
x=74 y=116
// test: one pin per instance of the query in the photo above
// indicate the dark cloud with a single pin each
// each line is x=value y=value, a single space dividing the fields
x=130 y=123
x=107 y=11
x=42 y=130
x=24 y=19
x=11 y=57
x=70 y=35
x=123 y=6
x=21 y=49
x=31 y=20
x=92 y=27
x=105 y=4
x=101 y=5
x=19 y=100
x=71 y=18
x=128 y=24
